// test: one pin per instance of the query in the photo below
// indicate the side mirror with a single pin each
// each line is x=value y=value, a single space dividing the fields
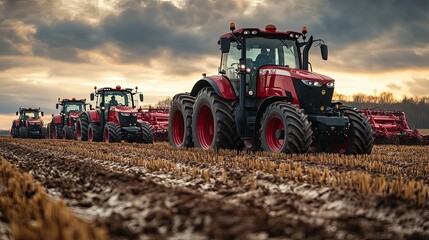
x=91 y=96
x=225 y=44
x=324 y=51
x=43 y=114
x=16 y=113
x=141 y=97
x=56 y=105
x=52 y=115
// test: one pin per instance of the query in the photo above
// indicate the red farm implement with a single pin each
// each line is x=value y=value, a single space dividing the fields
x=158 y=118
x=391 y=127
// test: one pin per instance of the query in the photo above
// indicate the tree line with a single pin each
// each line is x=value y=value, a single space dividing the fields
x=416 y=108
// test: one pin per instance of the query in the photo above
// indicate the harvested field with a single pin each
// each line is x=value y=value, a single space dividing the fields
x=137 y=191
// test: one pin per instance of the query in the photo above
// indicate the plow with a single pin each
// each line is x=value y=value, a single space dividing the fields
x=391 y=127
x=158 y=118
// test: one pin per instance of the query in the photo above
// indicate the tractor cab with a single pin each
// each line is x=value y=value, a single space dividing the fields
x=26 y=113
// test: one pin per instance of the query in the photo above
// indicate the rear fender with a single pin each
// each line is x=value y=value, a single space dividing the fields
x=220 y=84
x=57 y=119
x=93 y=116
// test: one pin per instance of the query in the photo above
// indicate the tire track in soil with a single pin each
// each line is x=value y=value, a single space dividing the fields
x=131 y=205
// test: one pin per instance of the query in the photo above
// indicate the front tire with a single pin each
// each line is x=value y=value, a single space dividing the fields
x=180 y=121
x=82 y=128
x=94 y=133
x=359 y=137
x=147 y=133
x=285 y=129
x=213 y=122
x=44 y=133
x=68 y=132
x=112 y=133
x=23 y=132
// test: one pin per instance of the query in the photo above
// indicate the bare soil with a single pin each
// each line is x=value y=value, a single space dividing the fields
x=200 y=199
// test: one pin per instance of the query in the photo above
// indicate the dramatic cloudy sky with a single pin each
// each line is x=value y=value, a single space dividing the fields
x=62 y=48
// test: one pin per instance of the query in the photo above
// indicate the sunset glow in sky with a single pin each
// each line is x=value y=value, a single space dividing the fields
x=63 y=48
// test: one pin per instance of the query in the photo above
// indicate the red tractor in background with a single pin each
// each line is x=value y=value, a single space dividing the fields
x=114 y=118
x=63 y=124
x=29 y=124
x=158 y=118
x=266 y=98
x=391 y=127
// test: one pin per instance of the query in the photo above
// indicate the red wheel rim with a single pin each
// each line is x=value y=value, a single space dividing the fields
x=90 y=134
x=274 y=124
x=178 y=128
x=205 y=127
x=106 y=134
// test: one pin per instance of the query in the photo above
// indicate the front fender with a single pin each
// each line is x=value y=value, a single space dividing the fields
x=57 y=119
x=220 y=84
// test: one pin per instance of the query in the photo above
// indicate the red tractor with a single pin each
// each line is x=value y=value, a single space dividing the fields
x=158 y=118
x=114 y=118
x=29 y=124
x=266 y=98
x=63 y=124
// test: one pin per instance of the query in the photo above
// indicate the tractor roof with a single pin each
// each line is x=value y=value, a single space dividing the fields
x=64 y=100
x=29 y=109
x=269 y=31
x=117 y=88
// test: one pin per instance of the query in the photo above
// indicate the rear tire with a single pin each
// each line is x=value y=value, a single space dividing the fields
x=359 y=137
x=94 y=133
x=285 y=129
x=57 y=131
x=112 y=133
x=147 y=133
x=213 y=122
x=82 y=128
x=23 y=132
x=180 y=121
x=68 y=132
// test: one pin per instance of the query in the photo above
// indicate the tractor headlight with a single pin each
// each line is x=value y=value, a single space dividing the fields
x=246 y=32
x=330 y=84
x=125 y=114
x=254 y=32
x=312 y=83
x=134 y=114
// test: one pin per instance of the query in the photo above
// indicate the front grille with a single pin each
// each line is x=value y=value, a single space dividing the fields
x=33 y=127
x=127 y=121
x=311 y=99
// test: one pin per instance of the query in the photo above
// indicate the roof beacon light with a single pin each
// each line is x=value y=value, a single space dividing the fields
x=304 y=31
x=118 y=87
x=232 y=26
x=73 y=99
x=270 y=28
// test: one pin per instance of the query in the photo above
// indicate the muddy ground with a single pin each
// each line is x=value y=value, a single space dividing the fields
x=139 y=201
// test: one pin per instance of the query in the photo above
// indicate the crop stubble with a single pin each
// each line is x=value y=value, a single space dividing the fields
x=154 y=191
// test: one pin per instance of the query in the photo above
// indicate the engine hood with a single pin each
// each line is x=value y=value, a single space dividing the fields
x=74 y=115
x=123 y=109
x=295 y=73
x=33 y=120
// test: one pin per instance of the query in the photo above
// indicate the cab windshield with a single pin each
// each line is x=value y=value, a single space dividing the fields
x=118 y=98
x=29 y=114
x=74 y=107
x=271 y=51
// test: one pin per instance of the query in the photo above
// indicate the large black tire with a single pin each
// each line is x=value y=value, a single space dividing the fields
x=48 y=131
x=147 y=133
x=14 y=131
x=285 y=129
x=68 y=132
x=359 y=137
x=23 y=132
x=94 y=133
x=180 y=121
x=82 y=128
x=57 y=131
x=112 y=133
x=43 y=132
x=213 y=122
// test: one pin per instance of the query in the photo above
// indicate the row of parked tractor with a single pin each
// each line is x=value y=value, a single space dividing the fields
x=266 y=97
x=114 y=118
